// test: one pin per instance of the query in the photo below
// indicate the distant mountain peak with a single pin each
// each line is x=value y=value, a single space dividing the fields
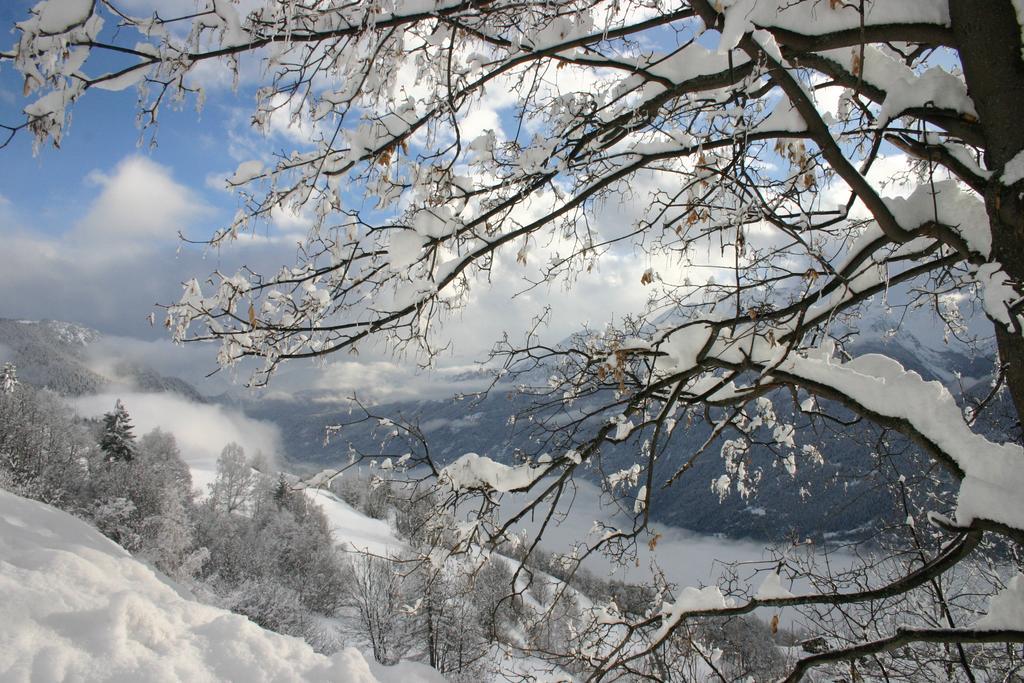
x=59 y=355
x=70 y=333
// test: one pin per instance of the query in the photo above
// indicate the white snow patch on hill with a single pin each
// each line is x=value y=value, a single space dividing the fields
x=78 y=607
x=353 y=530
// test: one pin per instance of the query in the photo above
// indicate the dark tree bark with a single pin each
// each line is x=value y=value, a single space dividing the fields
x=987 y=35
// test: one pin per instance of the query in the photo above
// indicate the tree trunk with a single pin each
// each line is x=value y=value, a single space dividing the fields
x=988 y=38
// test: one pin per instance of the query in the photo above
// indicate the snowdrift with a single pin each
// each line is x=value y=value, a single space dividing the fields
x=76 y=606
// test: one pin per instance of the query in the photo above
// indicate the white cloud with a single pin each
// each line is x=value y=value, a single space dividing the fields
x=139 y=200
x=888 y=175
x=218 y=180
x=479 y=120
x=294 y=125
x=121 y=256
x=287 y=218
x=382 y=381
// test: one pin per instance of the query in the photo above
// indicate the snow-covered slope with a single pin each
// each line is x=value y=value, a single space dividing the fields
x=353 y=530
x=77 y=607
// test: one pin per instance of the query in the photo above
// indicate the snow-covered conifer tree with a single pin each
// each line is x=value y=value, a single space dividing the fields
x=8 y=378
x=117 y=441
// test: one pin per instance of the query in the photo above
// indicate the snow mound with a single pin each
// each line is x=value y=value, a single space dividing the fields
x=76 y=606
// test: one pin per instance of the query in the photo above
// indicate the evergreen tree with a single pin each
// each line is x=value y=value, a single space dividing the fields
x=118 y=441
x=281 y=491
x=8 y=378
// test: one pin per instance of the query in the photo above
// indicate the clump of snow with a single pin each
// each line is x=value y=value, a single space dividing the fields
x=405 y=248
x=473 y=471
x=998 y=294
x=623 y=427
x=936 y=87
x=691 y=600
x=784 y=117
x=771 y=588
x=629 y=475
x=246 y=171
x=76 y=606
x=946 y=202
x=641 y=500
x=682 y=347
x=739 y=19
x=1006 y=610
x=1014 y=169
x=60 y=16
x=125 y=80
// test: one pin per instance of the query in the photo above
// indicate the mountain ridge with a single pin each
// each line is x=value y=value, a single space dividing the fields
x=58 y=355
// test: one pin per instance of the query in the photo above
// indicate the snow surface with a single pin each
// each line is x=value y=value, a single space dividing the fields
x=353 y=530
x=79 y=607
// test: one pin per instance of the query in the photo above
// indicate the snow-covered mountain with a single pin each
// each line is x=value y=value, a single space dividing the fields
x=842 y=497
x=59 y=355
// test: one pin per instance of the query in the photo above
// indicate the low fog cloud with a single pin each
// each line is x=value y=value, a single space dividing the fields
x=190 y=362
x=386 y=381
x=201 y=430
x=686 y=557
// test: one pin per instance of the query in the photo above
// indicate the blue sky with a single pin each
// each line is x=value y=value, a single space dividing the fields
x=46 y=195
x=90 y=230
x=103 y=132
x=66 y=215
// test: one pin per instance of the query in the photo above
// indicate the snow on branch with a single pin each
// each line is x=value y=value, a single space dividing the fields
x=473 y=471
x=991 y=474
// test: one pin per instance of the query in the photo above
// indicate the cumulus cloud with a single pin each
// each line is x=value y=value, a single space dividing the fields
x=121 y=256
x=139 y=200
